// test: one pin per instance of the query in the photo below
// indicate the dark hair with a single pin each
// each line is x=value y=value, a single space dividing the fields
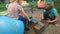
x=48 y=6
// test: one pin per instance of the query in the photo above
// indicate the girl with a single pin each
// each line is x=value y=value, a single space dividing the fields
x=16 y=11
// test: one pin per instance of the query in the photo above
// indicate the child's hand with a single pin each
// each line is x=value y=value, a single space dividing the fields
x=29 y=20
x=49 y=21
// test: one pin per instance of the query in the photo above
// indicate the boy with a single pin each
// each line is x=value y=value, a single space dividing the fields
x=50 y=14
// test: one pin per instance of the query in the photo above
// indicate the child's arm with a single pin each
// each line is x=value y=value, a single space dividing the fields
x=56 y=15
x=42 y=16
x=23 y=12
x=55 y=20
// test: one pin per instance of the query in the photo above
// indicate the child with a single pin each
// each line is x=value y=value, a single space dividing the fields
x=50 y=14
x=16 y=11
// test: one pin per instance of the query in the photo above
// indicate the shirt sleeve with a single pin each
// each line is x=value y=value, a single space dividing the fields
x=55 y=12
x=20 y=8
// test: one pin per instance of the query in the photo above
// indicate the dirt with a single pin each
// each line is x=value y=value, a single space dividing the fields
x=51 y=29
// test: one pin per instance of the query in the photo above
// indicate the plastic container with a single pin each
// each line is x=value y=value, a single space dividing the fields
x=11 y=26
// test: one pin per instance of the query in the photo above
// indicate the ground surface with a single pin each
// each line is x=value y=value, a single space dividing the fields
x=51 y=29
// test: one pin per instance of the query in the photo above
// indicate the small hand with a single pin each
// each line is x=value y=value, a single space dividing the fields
x=49 y=21
x=29 y=20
